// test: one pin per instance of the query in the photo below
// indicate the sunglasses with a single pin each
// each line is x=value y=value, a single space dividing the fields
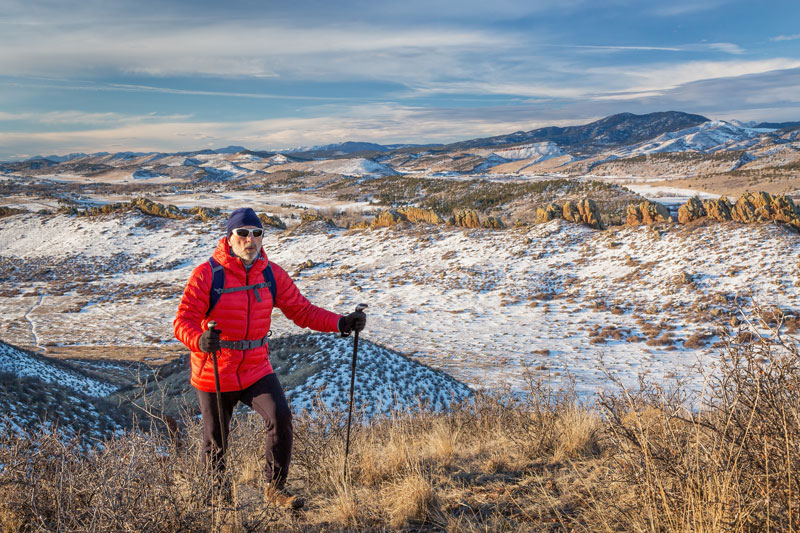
x=244 y=233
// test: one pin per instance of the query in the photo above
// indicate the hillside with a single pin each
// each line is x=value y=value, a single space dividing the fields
x=479 y=304
x=37 y=391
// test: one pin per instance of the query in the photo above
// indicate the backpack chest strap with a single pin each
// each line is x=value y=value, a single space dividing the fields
x=255 y=287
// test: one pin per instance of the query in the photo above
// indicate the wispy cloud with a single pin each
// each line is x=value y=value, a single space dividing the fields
x=786 y=37
x=77 y=118
x=728 y=48
x=230 y=49
x=660 y=76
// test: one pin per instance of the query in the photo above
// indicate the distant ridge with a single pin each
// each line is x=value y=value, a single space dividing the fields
x=778 y=125
x=616 y=130
x=348 y=148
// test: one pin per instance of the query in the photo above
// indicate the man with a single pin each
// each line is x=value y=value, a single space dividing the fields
x=242 y=314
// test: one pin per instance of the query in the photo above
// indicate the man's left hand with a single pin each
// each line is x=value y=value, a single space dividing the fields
x=353 y=322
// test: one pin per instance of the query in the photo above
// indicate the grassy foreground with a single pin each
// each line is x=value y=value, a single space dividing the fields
x=633 y=460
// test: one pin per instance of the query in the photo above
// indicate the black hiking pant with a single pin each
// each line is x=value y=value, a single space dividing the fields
x=266 y=397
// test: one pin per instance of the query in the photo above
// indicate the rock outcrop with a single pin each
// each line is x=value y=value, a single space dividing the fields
x=548 y=213
x=692 y=210
x=718 y=209
x=750 y=207
x=466 y=218
x=784 y=210
x=150 y=207
x=388 y=218
x=418 y=215
x=647 y=213
x=493 y=223
x=273 y=221
x=583 y=212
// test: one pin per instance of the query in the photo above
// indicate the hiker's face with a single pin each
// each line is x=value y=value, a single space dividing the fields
x=246 y=248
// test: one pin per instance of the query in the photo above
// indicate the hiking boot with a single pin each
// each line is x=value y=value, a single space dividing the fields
x=282 y=497
x=218 y=492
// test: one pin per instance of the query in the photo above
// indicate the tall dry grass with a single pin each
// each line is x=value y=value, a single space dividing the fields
x=653 y=458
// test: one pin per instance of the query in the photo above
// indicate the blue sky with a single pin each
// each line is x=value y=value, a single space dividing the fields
x=184 y=75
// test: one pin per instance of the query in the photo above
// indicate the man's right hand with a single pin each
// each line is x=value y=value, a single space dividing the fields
x=209 y=341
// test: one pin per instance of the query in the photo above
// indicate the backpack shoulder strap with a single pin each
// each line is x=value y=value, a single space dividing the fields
x=269 y=279
x=217 y=283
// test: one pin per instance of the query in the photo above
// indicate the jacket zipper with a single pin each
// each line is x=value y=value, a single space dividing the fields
x=247 y=329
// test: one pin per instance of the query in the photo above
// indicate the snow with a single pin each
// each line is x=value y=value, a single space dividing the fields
x=707 y=137
x=672 y=197
x=23 y=364
x=481 y=305
x=536 y=152
x=384 y=380
x=352 y=167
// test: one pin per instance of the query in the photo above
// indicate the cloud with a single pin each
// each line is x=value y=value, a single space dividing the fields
x=728 y=48
x=786 y=37
x=240 y=48
x=663 y=76
x=82 y=118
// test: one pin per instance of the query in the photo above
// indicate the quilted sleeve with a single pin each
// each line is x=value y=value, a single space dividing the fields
x=189 y=320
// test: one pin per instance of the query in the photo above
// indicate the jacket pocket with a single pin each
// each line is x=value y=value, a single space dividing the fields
x=202 y=365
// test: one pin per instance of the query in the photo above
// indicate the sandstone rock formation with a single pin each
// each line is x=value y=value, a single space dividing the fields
x=548 y=213
x=273 y=221
x=691 y=210
x=750 y=207
x=718 y=209
x=466 y=218
x=570 y=212
x=590 y=214
x=493 y=223
x=584 y=212
x=784 y=210
x=417 y=215
x=388 y=218
x=647 y=213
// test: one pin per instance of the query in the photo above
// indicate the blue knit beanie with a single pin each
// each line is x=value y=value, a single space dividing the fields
x=244 y=216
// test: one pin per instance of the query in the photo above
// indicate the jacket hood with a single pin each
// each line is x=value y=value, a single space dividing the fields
x=225 y=257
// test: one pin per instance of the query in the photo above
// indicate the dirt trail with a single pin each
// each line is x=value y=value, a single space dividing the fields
x=32 y=325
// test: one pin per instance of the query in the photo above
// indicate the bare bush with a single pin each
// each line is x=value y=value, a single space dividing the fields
x=727 y=460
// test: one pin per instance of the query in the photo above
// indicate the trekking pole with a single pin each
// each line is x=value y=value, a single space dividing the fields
x=212 y=325
x=359 y=308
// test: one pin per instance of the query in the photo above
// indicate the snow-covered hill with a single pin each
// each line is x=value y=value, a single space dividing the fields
x=708 y=137
x=535 y=152
x=352 y=167
x=21 y=363
x=385 y=379
x=36 y=390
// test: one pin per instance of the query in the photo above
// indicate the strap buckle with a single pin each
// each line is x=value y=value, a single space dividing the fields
x=244 y=344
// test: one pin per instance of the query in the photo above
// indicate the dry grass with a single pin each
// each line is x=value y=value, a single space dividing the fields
x=651 y=458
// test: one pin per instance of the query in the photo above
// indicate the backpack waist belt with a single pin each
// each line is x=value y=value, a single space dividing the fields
x=244 y=345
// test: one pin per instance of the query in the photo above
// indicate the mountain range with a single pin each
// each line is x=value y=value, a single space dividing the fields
x=668 y=149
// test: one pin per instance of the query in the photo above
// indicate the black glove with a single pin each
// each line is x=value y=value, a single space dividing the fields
x=209 y=341
x=352 y=322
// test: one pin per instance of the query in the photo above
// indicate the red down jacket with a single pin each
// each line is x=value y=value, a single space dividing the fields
x=240 y=316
